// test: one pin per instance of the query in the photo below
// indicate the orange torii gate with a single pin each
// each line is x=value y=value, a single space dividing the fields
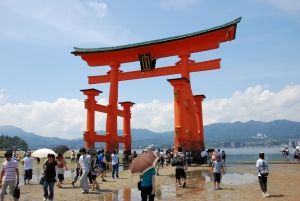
x=188 y=128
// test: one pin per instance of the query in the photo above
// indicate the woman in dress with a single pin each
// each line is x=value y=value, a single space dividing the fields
x=50 y=176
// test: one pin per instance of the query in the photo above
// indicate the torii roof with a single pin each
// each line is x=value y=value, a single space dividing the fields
x=193 y=42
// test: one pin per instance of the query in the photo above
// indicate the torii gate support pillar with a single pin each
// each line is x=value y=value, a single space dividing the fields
x=90 y=105
x=198 y=105
x=126 y=126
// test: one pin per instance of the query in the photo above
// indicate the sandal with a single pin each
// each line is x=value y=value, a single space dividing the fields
x=97 y=186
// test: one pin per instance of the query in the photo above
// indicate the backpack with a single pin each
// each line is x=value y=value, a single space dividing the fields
x=264 y=172
x=287 y=152
x=178 y=160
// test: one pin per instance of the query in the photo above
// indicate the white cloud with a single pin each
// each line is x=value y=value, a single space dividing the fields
x=255 y=103
x=66 y=118
x=155 y=116
x=100 y=8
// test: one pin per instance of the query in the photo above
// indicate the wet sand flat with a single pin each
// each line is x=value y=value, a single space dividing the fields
x=239 y=183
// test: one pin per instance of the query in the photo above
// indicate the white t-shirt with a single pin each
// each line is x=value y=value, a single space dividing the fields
x=28 y=163
x=114 y=159
x=73 y=154
x=84 y=161
x=260 y=163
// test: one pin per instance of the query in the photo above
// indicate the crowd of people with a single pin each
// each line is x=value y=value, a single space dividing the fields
x=91 y=165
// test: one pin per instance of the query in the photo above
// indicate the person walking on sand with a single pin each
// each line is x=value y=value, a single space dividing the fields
x=73 y=154
x=296 y=155
x=8 y=175
x=85 y=168
x=94 y=166
x=158 y=161
x=262 y=164
x=28 y=166
x=180 y=169
x=217 y=168
x=77 y=169
x=148 y=185
x=50 y=176
x=162 y=157
x=115 y=164
x=61 y=170
x=102 y=164
x=287 y=154
x=223 y=155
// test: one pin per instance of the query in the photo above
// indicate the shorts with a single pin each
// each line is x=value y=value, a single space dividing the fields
x=104 y=167
x=180 y=173
x=217 y=177
x=61 y=177
x=93 y=177
x=296 y=156
x=28 y=174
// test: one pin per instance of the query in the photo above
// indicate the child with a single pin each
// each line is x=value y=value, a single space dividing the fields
x=262 y=164
x=216 y=168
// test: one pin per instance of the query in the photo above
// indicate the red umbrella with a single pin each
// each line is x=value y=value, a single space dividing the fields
x=143 y=163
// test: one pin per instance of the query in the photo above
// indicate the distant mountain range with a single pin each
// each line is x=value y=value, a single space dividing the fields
x=217 y=132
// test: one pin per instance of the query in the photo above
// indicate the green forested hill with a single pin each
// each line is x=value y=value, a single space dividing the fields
x=12 y=142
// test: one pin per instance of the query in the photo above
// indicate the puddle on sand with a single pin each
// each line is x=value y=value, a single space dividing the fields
x=195 y=184
x=238 y=179
x=165 y=192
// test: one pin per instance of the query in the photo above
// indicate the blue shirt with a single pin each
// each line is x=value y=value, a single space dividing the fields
x=100 y=159
x=147 y=177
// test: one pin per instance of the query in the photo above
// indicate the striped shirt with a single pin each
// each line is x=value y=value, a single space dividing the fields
x=10 y=170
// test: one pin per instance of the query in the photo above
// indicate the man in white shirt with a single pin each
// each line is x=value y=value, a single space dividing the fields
x=162 y=158
x=85 y=168
x=27 y=162
x=115 y=164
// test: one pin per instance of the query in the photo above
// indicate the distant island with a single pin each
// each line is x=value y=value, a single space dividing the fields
x=251 y=133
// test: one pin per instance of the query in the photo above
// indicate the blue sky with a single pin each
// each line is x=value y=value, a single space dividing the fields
x=40 y=80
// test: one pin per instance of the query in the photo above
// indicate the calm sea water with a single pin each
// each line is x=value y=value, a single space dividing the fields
x=248 y=154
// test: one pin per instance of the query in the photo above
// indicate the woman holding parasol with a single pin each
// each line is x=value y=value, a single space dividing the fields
x=144 y=165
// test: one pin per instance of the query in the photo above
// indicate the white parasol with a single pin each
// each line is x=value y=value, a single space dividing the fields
x=42 y=153
x=282 y=149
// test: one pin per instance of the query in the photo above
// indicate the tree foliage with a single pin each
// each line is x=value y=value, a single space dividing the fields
x=7 y=142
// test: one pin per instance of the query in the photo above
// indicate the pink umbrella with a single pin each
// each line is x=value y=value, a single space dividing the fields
x=143 y=163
